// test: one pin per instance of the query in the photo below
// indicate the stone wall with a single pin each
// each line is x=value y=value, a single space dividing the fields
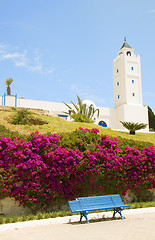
x=9 y=206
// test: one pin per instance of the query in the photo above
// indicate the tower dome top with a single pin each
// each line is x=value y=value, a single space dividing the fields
x=125 y=44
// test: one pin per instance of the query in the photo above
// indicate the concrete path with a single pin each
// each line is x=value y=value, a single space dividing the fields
x=138 y=226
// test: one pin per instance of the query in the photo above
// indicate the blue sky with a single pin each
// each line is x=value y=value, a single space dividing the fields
x=56 y=49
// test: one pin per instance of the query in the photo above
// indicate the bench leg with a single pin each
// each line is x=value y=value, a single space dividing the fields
x=84 y=214
x=118 y=210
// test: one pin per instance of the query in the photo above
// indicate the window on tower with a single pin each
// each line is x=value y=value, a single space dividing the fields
x=118 y=96
x=133 y=94
x=133 y=81
x=132 y=68
x=128 y=53
x=117 y=71
x=117 y=83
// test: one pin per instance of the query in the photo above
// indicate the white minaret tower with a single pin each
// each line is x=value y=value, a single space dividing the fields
x=127 y=77
x=128 y=106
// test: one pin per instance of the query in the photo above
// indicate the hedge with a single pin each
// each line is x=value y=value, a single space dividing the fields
x=40 y=172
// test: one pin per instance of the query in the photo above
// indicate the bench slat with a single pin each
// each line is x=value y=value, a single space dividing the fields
x=116 y=199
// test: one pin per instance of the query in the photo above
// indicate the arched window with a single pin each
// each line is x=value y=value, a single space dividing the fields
x=102 y=123
x=128 y=53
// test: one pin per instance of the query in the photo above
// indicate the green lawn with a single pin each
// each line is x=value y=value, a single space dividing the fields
x=58 y=125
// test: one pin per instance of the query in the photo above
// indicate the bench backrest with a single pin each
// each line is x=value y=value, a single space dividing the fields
x=101 y=202
x=75 y=206
x=96 y=203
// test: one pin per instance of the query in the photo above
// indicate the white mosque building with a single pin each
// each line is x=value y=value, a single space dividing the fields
x=128 y=104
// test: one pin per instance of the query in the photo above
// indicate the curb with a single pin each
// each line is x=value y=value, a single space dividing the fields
x=69 y=219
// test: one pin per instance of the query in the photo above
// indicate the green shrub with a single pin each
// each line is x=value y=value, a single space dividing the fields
x=81 y=112
x=23 y=117
x=10 y=134
x=143 y=195
x=36 y=121
x=83 y=140
x=78 y=117
x=123 y=142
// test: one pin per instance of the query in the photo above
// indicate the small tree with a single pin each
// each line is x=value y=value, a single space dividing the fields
x=133 y=127
x=8 y=82
x=151 y=119
x=82 y=112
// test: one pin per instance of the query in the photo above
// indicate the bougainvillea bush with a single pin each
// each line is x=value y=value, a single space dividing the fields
x=40 y=172
x=84 y=139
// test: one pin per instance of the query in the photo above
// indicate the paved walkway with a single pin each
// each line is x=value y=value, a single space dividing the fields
x=139 y=226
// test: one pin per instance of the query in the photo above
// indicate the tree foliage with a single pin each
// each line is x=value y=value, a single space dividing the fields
x=151 y=119
x=81 y=112
x=133 y=127
x=8 y=82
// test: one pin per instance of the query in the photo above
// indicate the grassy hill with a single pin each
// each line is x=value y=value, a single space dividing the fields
x=58 y=125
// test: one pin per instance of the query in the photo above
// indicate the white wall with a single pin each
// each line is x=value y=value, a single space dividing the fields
x=52 y=107
x=131 y=113
x=1 y=103
x=137 y=114
x=10 y=101
x=107 y=115
x=117 y=117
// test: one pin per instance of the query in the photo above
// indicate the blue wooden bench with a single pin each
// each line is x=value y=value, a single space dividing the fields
x=85 y=204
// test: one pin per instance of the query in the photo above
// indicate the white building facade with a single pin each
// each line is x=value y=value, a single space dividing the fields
x=128 y=104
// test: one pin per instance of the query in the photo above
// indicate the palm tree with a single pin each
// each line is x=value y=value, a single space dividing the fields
x=81 y=112
x=133 y=127
x=8 y=82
